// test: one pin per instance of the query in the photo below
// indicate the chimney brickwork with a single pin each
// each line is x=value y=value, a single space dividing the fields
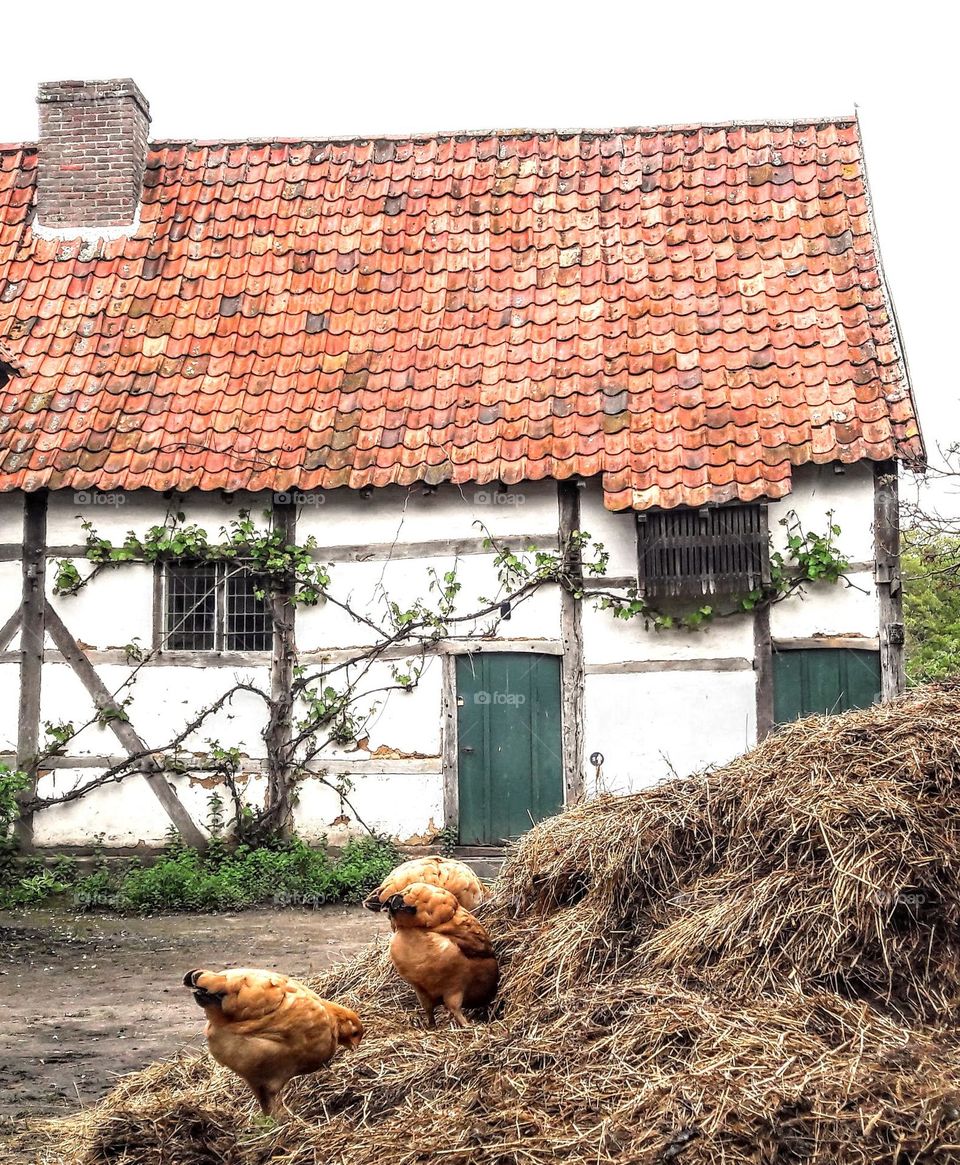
x=93 y=153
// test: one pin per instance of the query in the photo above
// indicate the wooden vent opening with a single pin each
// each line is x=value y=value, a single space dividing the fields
x=716 y=550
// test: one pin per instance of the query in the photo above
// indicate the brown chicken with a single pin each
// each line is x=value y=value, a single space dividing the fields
x=446 y=873
x=268 y=1028
x=442 y=951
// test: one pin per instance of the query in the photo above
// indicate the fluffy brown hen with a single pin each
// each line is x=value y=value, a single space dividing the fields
x=447 y=873
x=442 y=951
x=268 y=1028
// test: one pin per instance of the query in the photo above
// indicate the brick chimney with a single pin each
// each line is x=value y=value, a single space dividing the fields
x=93 y=152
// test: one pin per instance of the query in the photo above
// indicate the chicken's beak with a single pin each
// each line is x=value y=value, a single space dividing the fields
x=372 y=902
x=208 y=998
x=395 y=904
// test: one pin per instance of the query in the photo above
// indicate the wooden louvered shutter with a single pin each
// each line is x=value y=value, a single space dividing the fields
x=716 y=550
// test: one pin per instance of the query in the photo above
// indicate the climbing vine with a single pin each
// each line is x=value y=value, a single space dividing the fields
x=276 y=564
x=810 y=557
x=333 y=703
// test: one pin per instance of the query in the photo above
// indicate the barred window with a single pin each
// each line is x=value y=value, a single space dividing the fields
x=716 y=550
x=213 y=606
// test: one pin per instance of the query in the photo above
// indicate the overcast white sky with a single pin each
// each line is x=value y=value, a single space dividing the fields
x=369 y=66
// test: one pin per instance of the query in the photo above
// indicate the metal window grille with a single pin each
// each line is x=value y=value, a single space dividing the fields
x=248 y=625
x=191 y=606
x=717 y=550
x=213 y=607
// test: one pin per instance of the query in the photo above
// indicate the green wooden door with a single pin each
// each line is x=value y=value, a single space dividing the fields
x=823 y=680
x=510 y=766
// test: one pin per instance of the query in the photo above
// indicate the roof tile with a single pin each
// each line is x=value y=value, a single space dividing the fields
x=687 y=313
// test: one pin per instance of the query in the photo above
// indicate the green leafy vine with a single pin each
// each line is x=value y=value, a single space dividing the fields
x=810 y=558
x=277 y=565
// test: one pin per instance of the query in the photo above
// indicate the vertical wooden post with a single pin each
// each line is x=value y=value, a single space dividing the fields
x=279 y=731
x=763 y=667
x=451 y=776
x=32 y=628
x=886 y=536
x=571 y=664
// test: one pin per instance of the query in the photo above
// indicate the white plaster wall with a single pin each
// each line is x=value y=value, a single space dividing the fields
x=406 y=805
x=63 y=699
x=367 y=587
x=615 y=530
x=126 y=813
x=114 y=610
x=651 y=725
x=11 y=518
x=9 y=705
x=165 y=700
x=607 y=639
x=631 y=717
x=406 y=722
x=11 y=588
x=114 y=513
x=400 y=516
x=817 y=490
x=847 y=608
x=343 y=518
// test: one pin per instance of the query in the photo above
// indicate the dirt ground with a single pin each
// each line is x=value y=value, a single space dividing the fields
x=87 y=998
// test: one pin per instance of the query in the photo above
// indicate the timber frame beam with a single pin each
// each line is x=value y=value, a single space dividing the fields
x=450 y=747
x=279 y=733
x=32 y=631
x=763 y=666
x=571 y=663
x=886 y=535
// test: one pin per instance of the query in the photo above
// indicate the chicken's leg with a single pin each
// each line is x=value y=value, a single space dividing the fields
x=428 y=1004
x=453 y=1002
x=266 y=1095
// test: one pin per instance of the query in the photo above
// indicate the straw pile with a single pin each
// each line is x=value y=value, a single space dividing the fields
x=761 y=964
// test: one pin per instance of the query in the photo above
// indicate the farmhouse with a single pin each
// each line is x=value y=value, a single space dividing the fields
x=428 y=362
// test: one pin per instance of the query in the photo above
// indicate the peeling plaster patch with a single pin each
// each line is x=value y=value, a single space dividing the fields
x=214 y=780
x=388 y=752
x=205 y=782
x=428 y=837
x=385 y=752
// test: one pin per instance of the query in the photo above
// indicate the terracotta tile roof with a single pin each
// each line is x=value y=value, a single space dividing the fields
x=689 y=312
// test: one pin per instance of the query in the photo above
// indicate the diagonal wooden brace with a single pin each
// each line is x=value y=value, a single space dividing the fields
x=123 y=729
x=10 y=628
